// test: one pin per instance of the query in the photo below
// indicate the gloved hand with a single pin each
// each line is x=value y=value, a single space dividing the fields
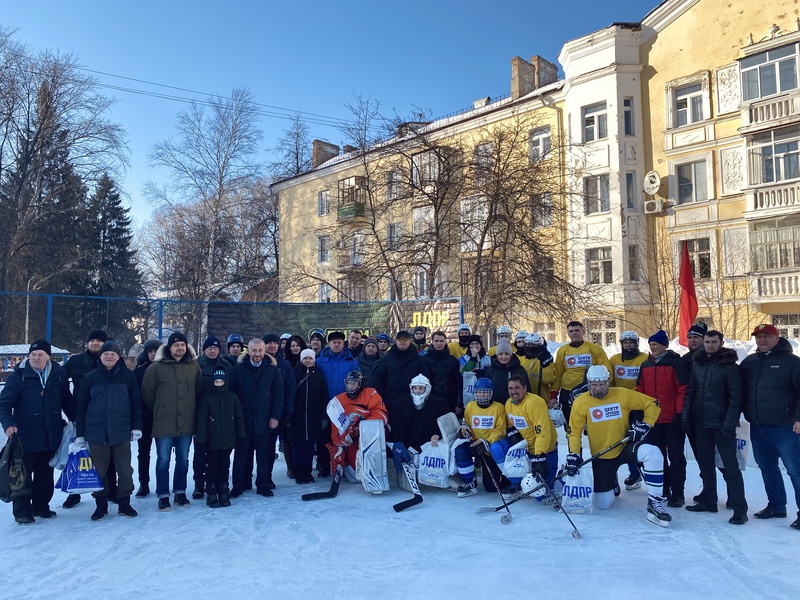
x=727 y=433
x=400 y=455
x=464 y=432
x=350 y=435
x=539 y=466
x=544 y=356
x=638 y=431
x=513 y=435
x=80 y=442
x=136 y=435
x=685 y=427
x=478 y=448
x=573 y=463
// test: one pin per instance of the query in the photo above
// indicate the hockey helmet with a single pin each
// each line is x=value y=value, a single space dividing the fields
x=504 y=331
x=464 y=327
x=629 y=335
x=484 y=390
x=235 y=338
x=598 y=374
x=521 y=335
x=420 y=388
x=354 y=383
x=533 y=339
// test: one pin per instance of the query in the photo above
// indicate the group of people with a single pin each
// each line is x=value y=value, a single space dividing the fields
x=246 y=400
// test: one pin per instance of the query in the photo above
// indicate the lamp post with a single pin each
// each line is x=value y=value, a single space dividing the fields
x=28 y=309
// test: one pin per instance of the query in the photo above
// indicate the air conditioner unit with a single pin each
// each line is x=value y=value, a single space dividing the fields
x=655 y=206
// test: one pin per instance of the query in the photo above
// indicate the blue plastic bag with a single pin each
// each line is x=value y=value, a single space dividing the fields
x=79 y=475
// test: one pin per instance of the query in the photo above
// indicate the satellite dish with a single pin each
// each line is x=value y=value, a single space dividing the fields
x=652 y=181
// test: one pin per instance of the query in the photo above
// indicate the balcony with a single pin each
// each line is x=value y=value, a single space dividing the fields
x=350 y=210
x=346 y=260
x=776 y=111
x=773 y=199
x=780 y=287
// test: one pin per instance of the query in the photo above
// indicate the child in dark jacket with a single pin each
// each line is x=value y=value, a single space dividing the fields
x=220 y=423
x=310 y=402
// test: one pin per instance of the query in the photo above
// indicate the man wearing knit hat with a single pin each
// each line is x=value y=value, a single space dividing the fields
x=145 y=358
x=35 y=394
x=77 y=367
x=419 y=339
x=384 y=341
x=664 y=376
x=368 y=358
x=170 y=388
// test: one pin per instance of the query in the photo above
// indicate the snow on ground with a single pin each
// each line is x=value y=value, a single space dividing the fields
x=355 y=546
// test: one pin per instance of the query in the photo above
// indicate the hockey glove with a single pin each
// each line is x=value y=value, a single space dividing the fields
x=545 y=358
x=465 y=433
x=338 y=456
x=539 y=466
x=350 y=435
x=478 y=448
x=638 y=431
x=400 y=455
x=573 y=463
x=513 y=435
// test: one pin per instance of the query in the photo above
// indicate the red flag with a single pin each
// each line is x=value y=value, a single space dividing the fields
x=688 y=296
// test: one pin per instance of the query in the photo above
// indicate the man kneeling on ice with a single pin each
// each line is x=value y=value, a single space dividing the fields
x=605 y=413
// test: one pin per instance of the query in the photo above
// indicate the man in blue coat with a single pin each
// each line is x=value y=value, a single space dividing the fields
x=31 y=404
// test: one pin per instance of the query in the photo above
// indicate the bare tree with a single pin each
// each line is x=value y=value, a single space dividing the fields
x=293 y=151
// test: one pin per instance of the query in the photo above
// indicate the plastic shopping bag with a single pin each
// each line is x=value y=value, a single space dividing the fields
x=59 y=459
x=434 y=465
x=79 y=475
x=578 y=492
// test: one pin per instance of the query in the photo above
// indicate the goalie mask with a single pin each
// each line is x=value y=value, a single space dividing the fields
x=597 y=377
x=354 y=383
x=420 y=388
x=484 y=390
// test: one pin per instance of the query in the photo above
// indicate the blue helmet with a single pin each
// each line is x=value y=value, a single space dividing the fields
x=484 y=383
x=484 y=390
x=235 y=338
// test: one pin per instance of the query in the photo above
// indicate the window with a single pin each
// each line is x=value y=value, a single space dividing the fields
x=633 y=263
x=688 y=104
x=393 y=185
x=323 y=248
x=595 y=194
x=352 y=189
x=543 y=271
x=627 y=116
x=788 y=325
x=700 y=257
x=595 y=122
x=769 y=72
x=774 y=155
x=474 y=214
x=692 y=182
x=323 y=203
x=357 y=249
x=539 y=143
x=598 y=265
x=484 y=160
x=546 y=329
x=775 y=244
x=393 y=236
x=630 y=190
x=421 y=283
x=602 y=333
x=424 y=168
x=352 y=290
x=423 y=220
x=324 y=292
x=542 y=210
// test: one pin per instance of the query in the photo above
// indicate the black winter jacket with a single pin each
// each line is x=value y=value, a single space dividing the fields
x=394 y=373
x=714 y=395
x=78 y=365
x=310 y=402
x=367 y=365
x=260 y=392
x=109 y=405
x=36 y=411
x=445 y=376
x=220 y=421
x=500 y=374
x=208 y=366
x=771 y=383
x=415 y=427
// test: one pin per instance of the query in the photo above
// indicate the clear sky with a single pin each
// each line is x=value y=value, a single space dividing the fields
x=309 y=56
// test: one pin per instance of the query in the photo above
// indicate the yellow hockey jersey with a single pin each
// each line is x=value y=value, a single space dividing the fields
x=532 y=420
x=486 y=423
x=626 y=372
x=548 y=378
x=606 y=419
x=456 y=349
x=571 y=363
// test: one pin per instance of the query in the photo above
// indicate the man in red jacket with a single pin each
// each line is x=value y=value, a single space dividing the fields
x=664 y=376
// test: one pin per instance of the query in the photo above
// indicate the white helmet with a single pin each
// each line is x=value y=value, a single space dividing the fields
x=465 y=327
x=504 y=330
x=533 y=338
x=629 y=335
x=597 y=373
x=521 y=335
x=530 y=483
x=417 y=396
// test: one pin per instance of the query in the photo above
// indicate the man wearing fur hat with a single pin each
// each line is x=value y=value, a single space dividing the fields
x=145 y=358
x=170 y=388
x=35 y=394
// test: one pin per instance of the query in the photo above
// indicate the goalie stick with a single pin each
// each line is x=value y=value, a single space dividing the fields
x=331 y=493
x=408 y=471
x=561 y=473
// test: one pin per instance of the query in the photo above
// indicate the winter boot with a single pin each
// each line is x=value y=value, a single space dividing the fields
x=212 y=501
x=466 y=490
x=656 y=513
x=224 y=500
x=144 y=490
x=164 y=505
x=181 y=501
x=676 y=500
x=72 y=500
x=286 y=448
x=102 y=508
x=124 y=508
x=740 y=519
x=199 y=489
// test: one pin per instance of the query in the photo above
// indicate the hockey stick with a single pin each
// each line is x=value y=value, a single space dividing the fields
x=505 y=519
x=575 y=533
x=417 y=499
x=561 y=473
x=331 y=493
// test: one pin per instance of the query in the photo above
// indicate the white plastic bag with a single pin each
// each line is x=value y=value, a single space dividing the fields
x=59 y=460
x=578 y=492
x=517 y=463
x=434 y=465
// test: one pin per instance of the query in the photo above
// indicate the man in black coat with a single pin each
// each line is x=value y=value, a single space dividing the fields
x=109 y=418
x=771 y=380
x=145 y=358
x=368 y=358
x=711 y=407
x=394 y=372
x=31 y=403
x=445 y=373
x=77 y=366
x=415 y=420
x=289 y=389
x=257 y=382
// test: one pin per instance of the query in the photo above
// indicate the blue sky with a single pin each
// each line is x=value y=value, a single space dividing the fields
x=301 y=56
